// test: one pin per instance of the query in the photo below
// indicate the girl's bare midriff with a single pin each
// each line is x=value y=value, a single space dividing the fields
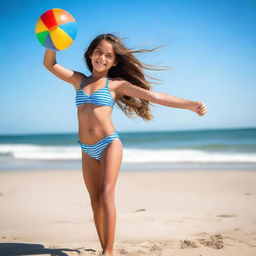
x=94 y=122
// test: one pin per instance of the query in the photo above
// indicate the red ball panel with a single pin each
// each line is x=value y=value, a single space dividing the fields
x=49 y=19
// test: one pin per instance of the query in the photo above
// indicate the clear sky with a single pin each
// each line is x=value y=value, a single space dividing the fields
x=210 y=44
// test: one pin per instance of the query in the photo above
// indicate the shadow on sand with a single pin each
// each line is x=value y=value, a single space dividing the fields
x=18 y=249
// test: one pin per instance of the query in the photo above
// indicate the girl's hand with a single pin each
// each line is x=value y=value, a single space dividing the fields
x=199 y=107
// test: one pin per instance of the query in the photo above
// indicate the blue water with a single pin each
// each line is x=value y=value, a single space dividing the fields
x=219 y=148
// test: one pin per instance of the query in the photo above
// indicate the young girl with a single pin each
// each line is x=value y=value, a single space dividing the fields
x=116 y=77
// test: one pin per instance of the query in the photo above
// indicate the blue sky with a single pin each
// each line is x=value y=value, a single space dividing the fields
x=210 y=44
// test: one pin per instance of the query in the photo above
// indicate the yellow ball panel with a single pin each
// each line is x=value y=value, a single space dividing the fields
x=61 y=40
x=40 y=27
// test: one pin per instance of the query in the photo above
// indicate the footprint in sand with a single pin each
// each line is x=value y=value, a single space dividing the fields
x=184 y=244
x=155 y=248
x=214 y=241
x=122 y=251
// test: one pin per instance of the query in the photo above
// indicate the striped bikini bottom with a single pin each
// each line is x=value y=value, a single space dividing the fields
x=95 y=150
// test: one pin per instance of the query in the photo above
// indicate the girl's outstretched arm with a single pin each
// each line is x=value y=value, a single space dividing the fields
x=161 y=98
x=69 y=76
x=175 y=102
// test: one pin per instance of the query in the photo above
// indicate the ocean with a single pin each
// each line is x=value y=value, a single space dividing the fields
x=232 y=149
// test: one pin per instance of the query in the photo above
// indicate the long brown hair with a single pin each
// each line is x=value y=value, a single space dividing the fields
x=130 y=69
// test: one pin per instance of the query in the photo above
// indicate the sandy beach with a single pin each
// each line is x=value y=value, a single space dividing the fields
x=200 y=213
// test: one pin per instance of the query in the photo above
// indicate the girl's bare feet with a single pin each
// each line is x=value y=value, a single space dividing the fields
x=107 y=253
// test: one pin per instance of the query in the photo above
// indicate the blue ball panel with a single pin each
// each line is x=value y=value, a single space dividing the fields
x=49 y=44
x=70 y=28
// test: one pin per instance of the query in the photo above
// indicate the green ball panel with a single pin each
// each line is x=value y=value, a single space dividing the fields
x=42 y=36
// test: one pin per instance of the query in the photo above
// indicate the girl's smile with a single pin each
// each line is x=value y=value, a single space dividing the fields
x=100 y=64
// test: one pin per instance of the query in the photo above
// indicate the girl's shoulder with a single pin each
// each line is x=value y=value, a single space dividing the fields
x=115 y=83
x=117 y=80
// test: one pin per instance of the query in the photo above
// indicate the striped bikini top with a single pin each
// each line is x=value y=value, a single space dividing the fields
x=101 y=97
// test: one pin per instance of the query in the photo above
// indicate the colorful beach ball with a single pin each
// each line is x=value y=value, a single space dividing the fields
x=56 y=29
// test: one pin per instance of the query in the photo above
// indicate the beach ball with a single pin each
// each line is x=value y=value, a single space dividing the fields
x=56 y=29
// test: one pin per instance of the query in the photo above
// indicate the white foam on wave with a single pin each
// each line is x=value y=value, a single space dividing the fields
x=184 y=155
x=41 y=152
x=130 y=155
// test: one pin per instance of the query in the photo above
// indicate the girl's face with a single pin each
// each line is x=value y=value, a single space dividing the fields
x=103 y=56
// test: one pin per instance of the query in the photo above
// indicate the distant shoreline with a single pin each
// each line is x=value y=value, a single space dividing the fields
x=76 y=166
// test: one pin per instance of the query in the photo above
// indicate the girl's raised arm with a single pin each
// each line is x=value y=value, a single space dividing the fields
x=69 y=76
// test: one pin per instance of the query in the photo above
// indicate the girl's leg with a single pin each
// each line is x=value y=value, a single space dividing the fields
x=92 y=180
x=110 y=165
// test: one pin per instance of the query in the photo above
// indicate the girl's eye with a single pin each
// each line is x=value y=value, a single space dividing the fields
x=109 y=56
